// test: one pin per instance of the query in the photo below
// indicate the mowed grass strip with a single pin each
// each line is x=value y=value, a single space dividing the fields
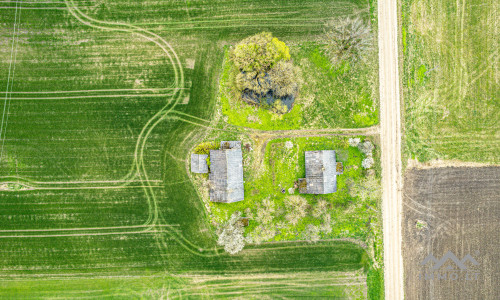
x=450 y=79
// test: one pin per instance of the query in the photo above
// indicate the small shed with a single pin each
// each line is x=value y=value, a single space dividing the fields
x=321 y=173
x=199 y=163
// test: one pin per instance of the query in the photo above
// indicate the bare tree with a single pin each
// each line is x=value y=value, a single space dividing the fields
x=347 y=39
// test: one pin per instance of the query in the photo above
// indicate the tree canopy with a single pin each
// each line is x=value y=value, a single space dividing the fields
x=265 y=74
x=259 y=52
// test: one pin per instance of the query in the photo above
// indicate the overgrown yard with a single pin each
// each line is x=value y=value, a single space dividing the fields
x=278 y=212
x=450 y=80
x=269 y=190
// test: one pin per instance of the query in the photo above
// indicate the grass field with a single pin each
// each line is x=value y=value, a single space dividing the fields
x=99 y=113
x=450 y=80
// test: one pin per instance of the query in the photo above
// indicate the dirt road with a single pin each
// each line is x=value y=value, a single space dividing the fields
x=390 y=136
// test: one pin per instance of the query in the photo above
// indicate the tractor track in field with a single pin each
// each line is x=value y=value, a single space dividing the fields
x=137 y=169
x=140 y=170
x=10 y=79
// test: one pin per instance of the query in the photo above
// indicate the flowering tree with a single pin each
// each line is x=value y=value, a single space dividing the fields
x=231 y=235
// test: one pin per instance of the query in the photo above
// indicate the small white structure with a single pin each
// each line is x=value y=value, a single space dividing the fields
x=199 y=163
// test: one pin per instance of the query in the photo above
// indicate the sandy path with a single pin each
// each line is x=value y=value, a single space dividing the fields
x=390 y=136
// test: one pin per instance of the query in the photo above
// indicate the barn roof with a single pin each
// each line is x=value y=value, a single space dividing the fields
x=321 y=172
x=199 y=163
x=226 y=175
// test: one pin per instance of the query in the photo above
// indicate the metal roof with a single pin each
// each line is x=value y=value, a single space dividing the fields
x=226 y=175
x=199 y=163
x=321 y=172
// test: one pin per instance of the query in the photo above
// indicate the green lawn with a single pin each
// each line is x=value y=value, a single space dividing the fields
x=450 y=80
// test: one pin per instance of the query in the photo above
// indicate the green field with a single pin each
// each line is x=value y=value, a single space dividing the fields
x=450 y=80
x=102 y=102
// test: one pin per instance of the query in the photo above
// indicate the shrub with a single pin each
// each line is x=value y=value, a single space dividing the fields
x=326 y=224
x=204 y=148
x=367 y=162
x=354 y=142
x=296 y=209
x=279 y=107
x=368 y=188
x=320 y=208
x=265 y=211
x=311 y=233
x=366 y=147
x=263 y=233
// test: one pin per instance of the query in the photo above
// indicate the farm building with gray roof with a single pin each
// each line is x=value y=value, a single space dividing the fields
x=321 y=173
x=226 y=174
x=199 y=163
